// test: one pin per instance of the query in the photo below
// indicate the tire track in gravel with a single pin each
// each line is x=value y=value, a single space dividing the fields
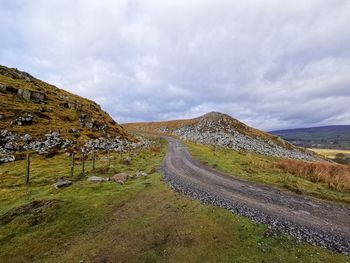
x=317 y=222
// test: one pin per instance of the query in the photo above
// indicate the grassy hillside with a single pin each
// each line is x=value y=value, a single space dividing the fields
x=321 y=180
x=31 y=106
x=141 y=221
x=329 y=137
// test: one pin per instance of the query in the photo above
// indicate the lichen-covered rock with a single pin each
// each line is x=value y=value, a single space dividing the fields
x=120 y=178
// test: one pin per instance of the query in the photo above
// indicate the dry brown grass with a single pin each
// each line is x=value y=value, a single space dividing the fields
x=337 y=176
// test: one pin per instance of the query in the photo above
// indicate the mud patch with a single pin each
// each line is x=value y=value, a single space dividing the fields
x=35 y=212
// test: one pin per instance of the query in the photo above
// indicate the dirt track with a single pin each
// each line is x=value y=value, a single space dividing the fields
x=317 y=222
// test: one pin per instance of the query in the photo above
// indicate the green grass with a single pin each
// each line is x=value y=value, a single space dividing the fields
x=141 y=221
x=263 y=169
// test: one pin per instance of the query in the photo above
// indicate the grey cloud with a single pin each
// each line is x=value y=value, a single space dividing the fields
x=271 y=64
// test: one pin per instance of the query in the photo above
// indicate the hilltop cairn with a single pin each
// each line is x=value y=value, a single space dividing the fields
x=222 y=130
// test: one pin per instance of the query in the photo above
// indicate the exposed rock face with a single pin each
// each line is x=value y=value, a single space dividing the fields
x=28 y=95
x=222 y=130
x=32 y=96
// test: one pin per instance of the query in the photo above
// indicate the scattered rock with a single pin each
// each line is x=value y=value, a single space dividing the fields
x=26 y=138
x=221 y=130
x=6 y=158
x=96 y=179
x=141 y=174
x=26 y=119
x=11 y=142
x=120 y=178
x=62 y=183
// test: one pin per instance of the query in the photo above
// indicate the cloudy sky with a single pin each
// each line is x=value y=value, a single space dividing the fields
x=272 y=64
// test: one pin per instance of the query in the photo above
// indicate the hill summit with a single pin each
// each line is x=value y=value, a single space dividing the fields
x=222 y=130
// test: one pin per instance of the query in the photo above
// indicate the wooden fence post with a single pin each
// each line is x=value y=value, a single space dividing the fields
x=27 y=167
x=83 y=163
x=93 y=160
x=72 y=165
x=109 y=157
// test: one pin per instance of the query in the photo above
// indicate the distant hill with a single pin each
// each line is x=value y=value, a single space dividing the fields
x=332 y=137
x=220 y=129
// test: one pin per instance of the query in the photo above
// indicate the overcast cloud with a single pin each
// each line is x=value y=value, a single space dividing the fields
x=272 y=64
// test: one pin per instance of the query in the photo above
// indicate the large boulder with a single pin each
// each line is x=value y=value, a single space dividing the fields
x=120 y=178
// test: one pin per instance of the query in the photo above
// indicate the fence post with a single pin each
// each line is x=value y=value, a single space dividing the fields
x=83 y=163
x=109 y=158
x=27 y=167
x=93 y=160
x=72 y=165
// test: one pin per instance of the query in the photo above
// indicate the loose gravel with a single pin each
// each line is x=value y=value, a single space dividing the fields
x=276 y=224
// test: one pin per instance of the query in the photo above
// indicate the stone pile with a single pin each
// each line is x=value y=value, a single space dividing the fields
x=220 y=130
x=11 y=142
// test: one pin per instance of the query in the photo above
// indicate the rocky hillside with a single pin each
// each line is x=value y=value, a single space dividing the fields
x=222 y=130
x=38 y=116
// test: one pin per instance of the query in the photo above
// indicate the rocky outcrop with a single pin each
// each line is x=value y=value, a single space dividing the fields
x=28 y=95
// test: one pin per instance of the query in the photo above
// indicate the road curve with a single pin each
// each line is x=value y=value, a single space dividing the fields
x=316 y=222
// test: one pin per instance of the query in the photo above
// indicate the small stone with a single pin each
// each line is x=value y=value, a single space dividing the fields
x=62 y=183
x=141 y=174
x=96 y=179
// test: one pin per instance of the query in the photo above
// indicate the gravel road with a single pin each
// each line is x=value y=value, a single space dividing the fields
x=317 y=222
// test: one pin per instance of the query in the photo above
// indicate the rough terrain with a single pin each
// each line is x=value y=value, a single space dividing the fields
x=316 y=222
x=40 y=117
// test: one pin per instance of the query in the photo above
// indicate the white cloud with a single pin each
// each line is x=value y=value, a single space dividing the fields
x=272 y=64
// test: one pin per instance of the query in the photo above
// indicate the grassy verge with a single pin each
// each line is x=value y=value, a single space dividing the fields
x=264 y=169
x=141 y=221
